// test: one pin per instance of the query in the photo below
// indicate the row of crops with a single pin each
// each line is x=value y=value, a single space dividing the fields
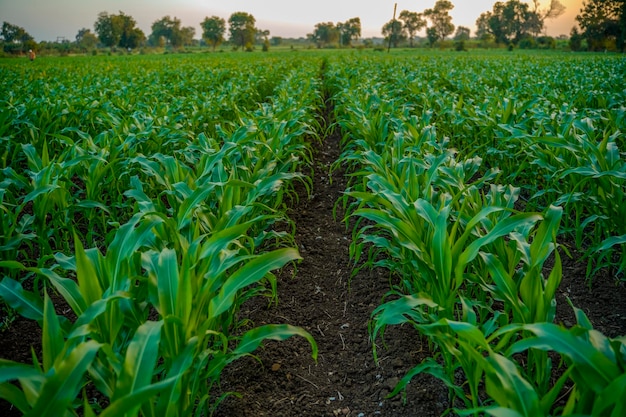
x=145 y=197
x=466 y=175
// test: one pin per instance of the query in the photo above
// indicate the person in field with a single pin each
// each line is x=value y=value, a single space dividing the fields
x=31 y=55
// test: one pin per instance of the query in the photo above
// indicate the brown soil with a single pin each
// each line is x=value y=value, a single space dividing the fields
x=321 y=298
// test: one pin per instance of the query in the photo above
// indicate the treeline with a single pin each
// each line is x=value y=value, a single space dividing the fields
x=514 y=23
x=120 y=32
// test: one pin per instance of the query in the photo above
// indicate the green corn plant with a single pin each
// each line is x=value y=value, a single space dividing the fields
x=596 y=364
x=587 y=177
x=198 y=336
x=48 y=388
x=17 y=232
x=191 y=338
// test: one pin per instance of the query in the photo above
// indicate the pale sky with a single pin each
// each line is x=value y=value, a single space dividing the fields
x=50 y=19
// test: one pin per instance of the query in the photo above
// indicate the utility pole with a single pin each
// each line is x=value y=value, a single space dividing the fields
x=393 y=26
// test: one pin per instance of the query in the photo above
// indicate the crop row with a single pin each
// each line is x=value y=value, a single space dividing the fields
x=148 y=196
x=552 y=127
x=451 y=190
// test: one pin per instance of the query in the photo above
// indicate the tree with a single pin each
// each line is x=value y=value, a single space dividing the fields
x=349 y=31
x=131 y=36
x=413 y=22
x=16 y=39
x=242 y=29
x=108 y=33
x=483 y=28
x=462 y=33
x=440 y=19
x=263 y=37
x=603 y=24
x=118 y=30
x=509 y=22
x=324 y=34
x=575 y=40
x=394 y=32
x=432 y=36
x=185 y=36
x=169 y=31
x=86 y=40
x=213 y=29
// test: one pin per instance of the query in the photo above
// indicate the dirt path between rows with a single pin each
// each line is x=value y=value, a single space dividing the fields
x=336 y=311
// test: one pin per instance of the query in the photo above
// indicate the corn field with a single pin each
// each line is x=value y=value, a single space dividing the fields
x=150 y=195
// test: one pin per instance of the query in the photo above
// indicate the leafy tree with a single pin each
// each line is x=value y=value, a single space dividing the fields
x=16 y=39
x=262 y=37
x=432 y=36
x=394 y=32
x=413 y=22
x=169 y=31
x=440 y=19
x=324 y=34
x=603 y=23
x=213 y=29
x=131 y=36
x=118 y=30
x=108 y=33
x=575 y=40
x=86 y=40
x=483 y=28
x=509 y=22
x=242 y=29
x=349 y=31
x=462 y=33
x=185 y=36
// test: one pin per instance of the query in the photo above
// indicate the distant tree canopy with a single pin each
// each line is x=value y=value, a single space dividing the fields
x=213 y=30
x=168 y=31
x=242 y=29
x=349 y=30
x=85 y=40
x=412 y=22
x=394 y=32
x=409 y=23
x=508 y=22
x=440 y=19
x=603 y=24
x=118 y=30
x=462 y=33
x=15 y=39
x=328 y=33
x=324 y=34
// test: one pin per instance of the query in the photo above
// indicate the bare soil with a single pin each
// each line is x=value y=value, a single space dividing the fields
x=320 y=297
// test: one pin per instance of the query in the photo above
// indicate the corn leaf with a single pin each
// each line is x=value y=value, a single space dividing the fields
x=251 y=272
x=51 y=337
x=139 y=362
x=15 y=396
x=252 y=339
x=25 y=303
x=64 y=383
x=88 y=282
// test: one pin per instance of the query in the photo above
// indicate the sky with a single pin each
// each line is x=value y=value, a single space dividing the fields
x=52 y=20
